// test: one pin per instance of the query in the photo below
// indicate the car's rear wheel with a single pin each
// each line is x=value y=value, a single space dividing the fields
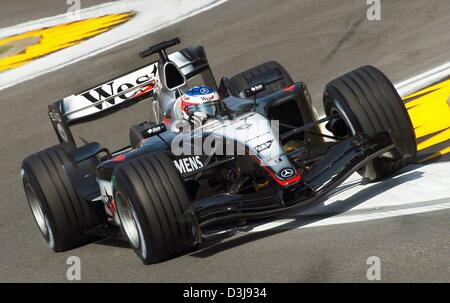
x=269 y=72
x=61 y=214
x=152 y=206
x=365 y=100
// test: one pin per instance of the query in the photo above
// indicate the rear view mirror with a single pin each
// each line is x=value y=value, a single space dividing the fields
x=173 y=76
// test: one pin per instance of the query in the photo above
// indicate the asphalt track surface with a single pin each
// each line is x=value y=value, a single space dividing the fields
x=316 y=41
x=13 y=13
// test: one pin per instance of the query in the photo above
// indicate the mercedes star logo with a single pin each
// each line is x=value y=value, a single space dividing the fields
x=287 y=173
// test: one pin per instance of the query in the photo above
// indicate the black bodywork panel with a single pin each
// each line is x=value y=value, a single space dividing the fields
x=342 y=160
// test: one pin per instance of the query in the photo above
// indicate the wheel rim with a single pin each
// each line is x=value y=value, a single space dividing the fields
x=337 y=109
x=129 y=220
x=38 y=212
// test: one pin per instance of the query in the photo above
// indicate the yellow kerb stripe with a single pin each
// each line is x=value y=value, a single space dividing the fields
x=430 y=115
x=59 y=37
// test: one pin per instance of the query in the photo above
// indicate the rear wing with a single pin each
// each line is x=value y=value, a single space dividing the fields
x=124 y=91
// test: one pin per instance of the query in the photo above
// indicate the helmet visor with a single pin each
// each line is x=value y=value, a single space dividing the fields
x=211 y=109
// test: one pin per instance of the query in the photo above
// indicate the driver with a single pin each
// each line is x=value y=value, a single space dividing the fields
x=198 y=104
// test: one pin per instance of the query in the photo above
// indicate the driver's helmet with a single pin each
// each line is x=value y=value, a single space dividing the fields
x=201 y=99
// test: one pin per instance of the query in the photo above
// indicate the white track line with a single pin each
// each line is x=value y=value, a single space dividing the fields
x=407 y=193
x=351 y=218
x=151 y=17
x=91 y=12
x=418 y=82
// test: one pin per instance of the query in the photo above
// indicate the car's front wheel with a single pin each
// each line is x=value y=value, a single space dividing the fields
x=152 y=206
x=365 y=101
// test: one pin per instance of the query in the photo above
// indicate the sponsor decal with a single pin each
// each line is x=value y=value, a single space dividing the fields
x=57 y=121
x=204 y=90
x=275 y=158
x=117 y=86
x=107 y=198
x=188 y=165
x=206 y=99
x=62 y=132
x=287 y=173
x=156 y=129
x=264 y=146
x=54 y=117
x=199 y=90
x=244 y=126
x=109 y=202
x=265 y=134
x=255 y=89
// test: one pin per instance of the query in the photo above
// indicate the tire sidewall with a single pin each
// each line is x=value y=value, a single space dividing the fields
x=65 y=211
x=29 y=178
x=334 y=99
x=124 y=186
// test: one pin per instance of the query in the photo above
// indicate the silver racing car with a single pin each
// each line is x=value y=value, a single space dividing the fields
x=212 y=156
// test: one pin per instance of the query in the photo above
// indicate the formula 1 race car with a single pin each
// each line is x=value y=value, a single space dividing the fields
x=268 y=154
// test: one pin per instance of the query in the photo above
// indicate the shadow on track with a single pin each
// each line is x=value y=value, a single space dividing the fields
x=209 y=248
x=319 y=209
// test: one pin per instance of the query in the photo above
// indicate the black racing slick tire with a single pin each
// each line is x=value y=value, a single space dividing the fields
x=368 y=102
x=152 y=206
x=266 y=72
x=62 y=215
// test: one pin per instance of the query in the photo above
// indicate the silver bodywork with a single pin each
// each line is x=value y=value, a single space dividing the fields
x=257 y=136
